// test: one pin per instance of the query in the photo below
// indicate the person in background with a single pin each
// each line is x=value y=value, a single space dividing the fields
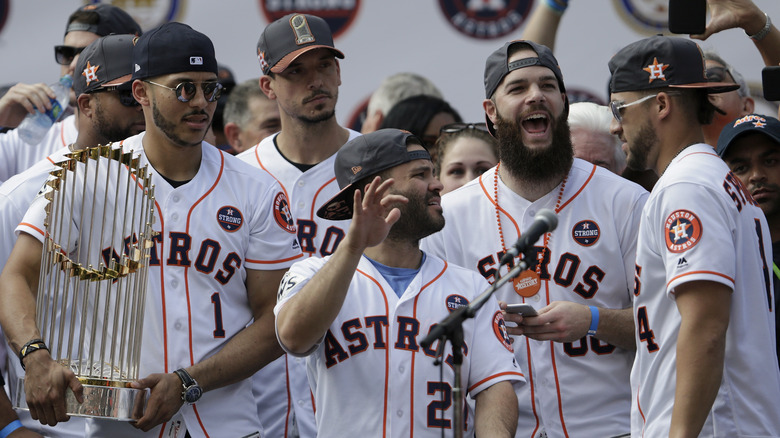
x=424 y=117
x=392 y=90
x=750 y=145
x=84 y=26
x=249 y=116
x=465 y=151
x=590 y=136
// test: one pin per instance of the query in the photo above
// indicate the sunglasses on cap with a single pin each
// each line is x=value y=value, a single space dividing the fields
x=64 y=54
x=452 y=128
x=125 y=96
x=186 y=91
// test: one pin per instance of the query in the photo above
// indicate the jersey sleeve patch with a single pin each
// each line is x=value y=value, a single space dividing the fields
x=586 y=233
x=282 y=213
x=683 y=231
x=455 y=302
x=287 y=285
x=499 y=328
x=230 y=218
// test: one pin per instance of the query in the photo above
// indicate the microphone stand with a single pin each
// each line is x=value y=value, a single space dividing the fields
x=451 y=328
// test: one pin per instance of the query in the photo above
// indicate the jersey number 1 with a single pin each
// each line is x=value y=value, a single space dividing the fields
x=219 y=330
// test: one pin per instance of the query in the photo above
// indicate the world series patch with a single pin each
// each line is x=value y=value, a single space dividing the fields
x=230 y=219
x=586 y=233
x=455 y=302
x=282 y=213
x=683 y=231
x=499 y=328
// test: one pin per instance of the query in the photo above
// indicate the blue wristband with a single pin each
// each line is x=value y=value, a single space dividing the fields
x=558 y=6
x=10 y=428
x=594 y=321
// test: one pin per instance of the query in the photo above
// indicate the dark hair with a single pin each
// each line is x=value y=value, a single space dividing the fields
x=86 y=17
x=414 y=114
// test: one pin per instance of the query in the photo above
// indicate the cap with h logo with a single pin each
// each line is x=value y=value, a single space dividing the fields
x=104 y=63
x=291 y=36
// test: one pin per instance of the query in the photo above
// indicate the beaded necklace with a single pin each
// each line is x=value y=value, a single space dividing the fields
x=528 y=283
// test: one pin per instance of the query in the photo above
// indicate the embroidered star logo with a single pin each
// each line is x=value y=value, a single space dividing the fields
x=656 y=70
x=759 y=124
x=230 y=212
x=585 y=226
x=90 y=72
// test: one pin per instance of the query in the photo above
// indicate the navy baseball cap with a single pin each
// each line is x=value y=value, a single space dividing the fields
x=110 y=19
x=106 y=62
x=498 y=66
x=290 y=37
x=750 y=123
x=659 y=62
x=363 y=156
x=173 y=48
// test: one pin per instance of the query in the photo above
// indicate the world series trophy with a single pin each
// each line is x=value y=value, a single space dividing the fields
x=92 y=282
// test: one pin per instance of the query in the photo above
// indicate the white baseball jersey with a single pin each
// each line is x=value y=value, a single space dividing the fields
x=283 y=393
x=700 y=223
x=16 y=155
x=370 y=376
x=210 y=232
x=577 y=388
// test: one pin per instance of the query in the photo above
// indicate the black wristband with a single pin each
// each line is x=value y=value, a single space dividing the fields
x=30 y=347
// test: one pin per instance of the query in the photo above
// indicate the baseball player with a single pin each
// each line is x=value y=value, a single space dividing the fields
x=213 y=267
x=303 y=79
x=119 y=117
x=85 y=25
x=750 y=145
x=577 y=353
x=359 y=315
x=702 y=292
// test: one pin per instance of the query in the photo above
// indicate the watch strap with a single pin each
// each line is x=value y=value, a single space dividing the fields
x=185 y=377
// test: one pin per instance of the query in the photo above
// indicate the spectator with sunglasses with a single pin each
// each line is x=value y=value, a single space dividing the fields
x=225 y=240
x=107 y=112
x=465 y=151
x=423 y=116
x=85 y=25
x=730 y=105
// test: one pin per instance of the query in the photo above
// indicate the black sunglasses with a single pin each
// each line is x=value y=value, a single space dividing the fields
x=125 y=96
x=186 y=91
x=718 y=74
x=457 y=127
x=64 y=54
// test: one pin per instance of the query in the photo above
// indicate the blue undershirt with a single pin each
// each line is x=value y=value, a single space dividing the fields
x=398 y=278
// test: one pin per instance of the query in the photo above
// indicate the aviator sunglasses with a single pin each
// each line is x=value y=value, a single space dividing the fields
x=186 y=91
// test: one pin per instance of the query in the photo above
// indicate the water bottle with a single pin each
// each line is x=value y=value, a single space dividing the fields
x=35 y=126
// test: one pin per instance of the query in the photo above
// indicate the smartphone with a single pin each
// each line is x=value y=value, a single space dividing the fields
x=522 y=309
x=687 y=16
x=770 y=81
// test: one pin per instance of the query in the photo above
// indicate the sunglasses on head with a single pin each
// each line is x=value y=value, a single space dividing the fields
x=125 y=95
x=64 y=54
x=186 y=91
x=457 y=127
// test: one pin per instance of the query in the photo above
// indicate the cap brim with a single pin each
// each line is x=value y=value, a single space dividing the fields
x=339 y=207
x=119 y=81
x=292 y=56
x=712 y=87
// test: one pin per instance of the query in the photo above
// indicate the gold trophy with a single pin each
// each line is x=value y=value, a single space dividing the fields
x=92 y=284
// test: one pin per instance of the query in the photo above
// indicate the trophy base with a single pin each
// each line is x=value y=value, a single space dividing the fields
x=112 y=400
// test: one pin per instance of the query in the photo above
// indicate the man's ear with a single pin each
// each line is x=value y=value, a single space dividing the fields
x=84 y=104
x=490 y=109
x=140 y=93
x=748 y=105
x=265 y=85
x=232 y=131
x=665 y=104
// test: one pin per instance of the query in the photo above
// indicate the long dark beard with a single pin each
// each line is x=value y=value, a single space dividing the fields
x=535 y=165
x=415 y=221
x=107 y=130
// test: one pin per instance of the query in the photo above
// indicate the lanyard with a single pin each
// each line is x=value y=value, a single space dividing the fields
x=776 y=269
